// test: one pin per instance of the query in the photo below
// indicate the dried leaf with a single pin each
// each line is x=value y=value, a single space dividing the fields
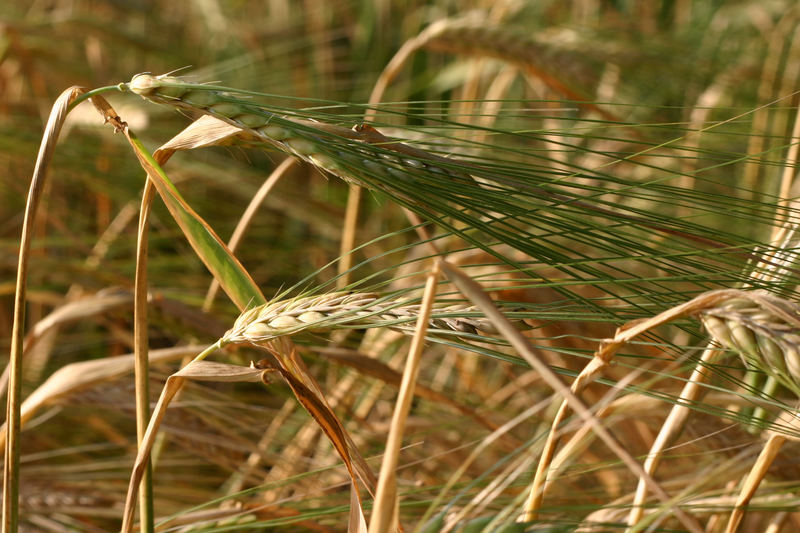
x=308 y=393
x=206 y=131
x=220 y=372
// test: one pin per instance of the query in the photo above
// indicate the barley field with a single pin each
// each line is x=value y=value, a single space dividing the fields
x=421 y=266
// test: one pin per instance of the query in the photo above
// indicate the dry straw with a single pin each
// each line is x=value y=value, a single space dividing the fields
x=764 y=328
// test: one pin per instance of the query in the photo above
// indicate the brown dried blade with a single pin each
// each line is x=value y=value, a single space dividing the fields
x=309 y=395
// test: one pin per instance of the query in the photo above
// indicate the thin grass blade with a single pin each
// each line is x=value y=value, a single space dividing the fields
x=233 y=278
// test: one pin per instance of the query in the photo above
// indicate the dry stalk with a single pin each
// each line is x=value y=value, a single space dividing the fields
x=523 y=346
x=601 y=358
x=348 y=241
x=774 y=264
x=757 y=473
x=385 y=515
x=777 y=438
x=56 y=120
x=141 y=350
x=671 y=428
x=764 y=328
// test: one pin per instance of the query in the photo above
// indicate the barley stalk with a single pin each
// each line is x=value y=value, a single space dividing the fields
x=351 y=154
x=347 y=310
x=764 y=329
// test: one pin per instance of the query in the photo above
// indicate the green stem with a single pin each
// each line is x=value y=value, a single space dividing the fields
x=208 y=351
x=87 y=95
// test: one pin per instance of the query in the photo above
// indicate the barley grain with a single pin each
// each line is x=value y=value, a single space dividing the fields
x=347 y=310
x=764 y=329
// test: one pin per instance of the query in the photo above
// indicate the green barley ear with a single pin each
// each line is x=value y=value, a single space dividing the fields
x=494 y=200
x=356 y=155
x=764 y=329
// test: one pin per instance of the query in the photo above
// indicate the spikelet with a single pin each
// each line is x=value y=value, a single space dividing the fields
x=351 y=154
x=764 y=329
x=346 y=310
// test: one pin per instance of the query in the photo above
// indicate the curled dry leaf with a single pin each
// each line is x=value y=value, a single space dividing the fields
x=208 y=131
x=305 y=388
x=221 y=372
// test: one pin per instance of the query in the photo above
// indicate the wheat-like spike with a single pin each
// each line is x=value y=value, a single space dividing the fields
x=473 y=31
x=346 y=310
x=356 y=153
x=549 y=57
x=762 y=327
x=472 y=34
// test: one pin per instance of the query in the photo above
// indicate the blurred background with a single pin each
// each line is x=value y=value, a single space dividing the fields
x=588 y=76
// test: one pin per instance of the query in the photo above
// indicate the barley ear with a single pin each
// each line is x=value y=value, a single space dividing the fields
x=764 y=329
x=350 y=310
